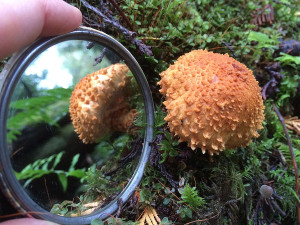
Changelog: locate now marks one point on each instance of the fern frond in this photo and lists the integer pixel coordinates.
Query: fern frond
(49, 107)
(190, 196)
(42, 167)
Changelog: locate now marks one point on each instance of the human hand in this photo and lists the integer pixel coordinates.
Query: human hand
(25, 221)
(23, 21)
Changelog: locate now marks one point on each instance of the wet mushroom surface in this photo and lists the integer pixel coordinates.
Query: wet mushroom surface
(213, 101)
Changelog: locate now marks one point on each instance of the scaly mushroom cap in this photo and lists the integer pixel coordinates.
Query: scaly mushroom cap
(213, 101)
(98, 106)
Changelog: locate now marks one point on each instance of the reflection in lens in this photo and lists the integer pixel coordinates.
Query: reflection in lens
(57, 169)
(100, 103)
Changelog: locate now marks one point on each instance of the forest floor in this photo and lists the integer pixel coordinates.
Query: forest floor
(257, 184)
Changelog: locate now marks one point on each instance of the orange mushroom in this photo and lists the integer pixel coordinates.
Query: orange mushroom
(99, 104)
(213, 101)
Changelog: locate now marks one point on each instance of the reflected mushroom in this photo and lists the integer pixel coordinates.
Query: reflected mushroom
(99, 104)
(213, 101)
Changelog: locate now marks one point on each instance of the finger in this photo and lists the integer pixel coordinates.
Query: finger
(22, 21)
(30, 221)
(60, 17)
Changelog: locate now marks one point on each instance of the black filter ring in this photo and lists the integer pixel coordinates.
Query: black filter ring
(9, 78)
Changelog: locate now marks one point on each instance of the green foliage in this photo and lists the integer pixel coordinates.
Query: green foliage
(96, 180)
(166, 221)
(208, 24)
(196, 24)
(284, 148)
(63, 208)
(265, 45)
(96, 186)
(283, 174)
(49, 107)
(97, 222)
(289, 60)
(285, 187)
(114, 221)
(106, 157)
(190, 196)
(2, 63)
(159, 119)
(42, 167)
(286, 21)
(168, 147)
(102, 152)
(146, 196)
(185, 213)
(107, 147)
(288, 90)
(239, 182)
(151, 189)
(169, 144)
(235, 175)
(140, 120)
(263, 40)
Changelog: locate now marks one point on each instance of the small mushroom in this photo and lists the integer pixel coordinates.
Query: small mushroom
(213, 101)
(99, 104)
(266, 191)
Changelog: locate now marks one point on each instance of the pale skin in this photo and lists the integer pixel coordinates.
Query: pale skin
(25, 221)
(22, 22)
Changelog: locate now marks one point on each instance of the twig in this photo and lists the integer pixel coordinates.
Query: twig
(283, 3)
(282, 213)
(120, 206)
(136, 146)
(90, 45)
(100, 57)
(296, 171)
(123, 30)
(204, 219)
(228, 45)
(91, 23)
(115, 4)
(155, 159)
(232, 201)
(129, 35)
(47, 191)
(265, 88)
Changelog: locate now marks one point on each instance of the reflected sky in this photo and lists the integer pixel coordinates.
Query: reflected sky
(64, 64)
(57, 76)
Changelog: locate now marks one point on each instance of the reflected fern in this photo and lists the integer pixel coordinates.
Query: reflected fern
(49, 107)
(46, 166)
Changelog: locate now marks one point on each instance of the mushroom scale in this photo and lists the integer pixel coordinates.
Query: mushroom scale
(99, 104)
(213, 101)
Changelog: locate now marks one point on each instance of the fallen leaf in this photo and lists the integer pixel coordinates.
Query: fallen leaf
(150, 217)
(293, 123)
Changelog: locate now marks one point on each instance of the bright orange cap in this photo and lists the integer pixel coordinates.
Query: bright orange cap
(213, 101)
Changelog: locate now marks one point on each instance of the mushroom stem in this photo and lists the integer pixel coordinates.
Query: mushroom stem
(122, 120)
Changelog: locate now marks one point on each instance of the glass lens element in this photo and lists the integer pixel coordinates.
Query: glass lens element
(75, 127)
